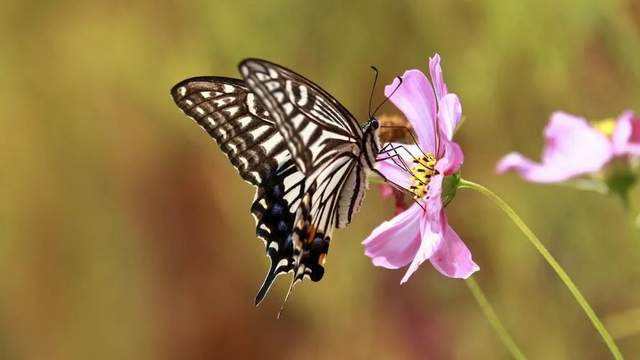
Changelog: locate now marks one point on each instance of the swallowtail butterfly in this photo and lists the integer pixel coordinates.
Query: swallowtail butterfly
(307, 155)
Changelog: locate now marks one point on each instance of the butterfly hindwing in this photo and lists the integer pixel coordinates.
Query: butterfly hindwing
(319, 215)
(274, 208)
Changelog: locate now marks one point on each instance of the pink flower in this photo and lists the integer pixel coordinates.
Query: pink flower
(386, 191)
(626, 135)
(422, 232)
(573, 147)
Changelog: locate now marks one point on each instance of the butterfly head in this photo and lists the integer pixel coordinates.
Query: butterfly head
(370, 138)
(371, 141)
(373, 123)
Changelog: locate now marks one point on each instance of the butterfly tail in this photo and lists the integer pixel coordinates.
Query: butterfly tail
(266, 285)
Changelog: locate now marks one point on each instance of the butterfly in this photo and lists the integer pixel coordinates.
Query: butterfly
(306, 153)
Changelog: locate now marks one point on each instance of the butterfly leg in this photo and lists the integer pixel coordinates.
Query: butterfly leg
(393, 155)
(408, 130)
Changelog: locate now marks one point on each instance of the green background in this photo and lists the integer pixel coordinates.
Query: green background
(125, 233)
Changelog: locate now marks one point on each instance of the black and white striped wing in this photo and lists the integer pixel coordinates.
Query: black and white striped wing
(236, 119)
(296, 216)
(324, 140)
(320, 213)
(314, 124)
(233, 116)
(295, 142)
(316, 127)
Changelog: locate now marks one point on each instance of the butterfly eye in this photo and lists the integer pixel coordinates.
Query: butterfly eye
(374, 123)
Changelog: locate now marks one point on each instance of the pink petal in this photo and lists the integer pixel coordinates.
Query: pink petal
(449, 114)
(416, 100)
(435, 71)
(626, 135)
(452, 158)
(431, 227)
(572, 148)
(434, 200)
(386, 191)
(526, 168)
(453, 258)
(393, 168)
(393, 244)
(394, 173)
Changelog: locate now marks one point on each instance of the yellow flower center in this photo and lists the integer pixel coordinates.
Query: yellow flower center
(606, 126)
(422, 172)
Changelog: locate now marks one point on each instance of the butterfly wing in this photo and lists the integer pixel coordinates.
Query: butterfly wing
(315, 125)
(318, 215)
(297, 144)
(324, 140)
(231, 114)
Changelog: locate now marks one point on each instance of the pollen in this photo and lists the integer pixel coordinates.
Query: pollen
(606, 126)
(422, 172)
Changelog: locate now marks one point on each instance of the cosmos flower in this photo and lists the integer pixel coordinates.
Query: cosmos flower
(388, 192)
(574, 147)
(422, 232)
(626, 135)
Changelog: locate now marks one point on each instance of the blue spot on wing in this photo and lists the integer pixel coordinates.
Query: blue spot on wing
(273, 213)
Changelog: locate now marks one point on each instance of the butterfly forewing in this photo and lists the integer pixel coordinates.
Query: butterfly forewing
(234, 117)
(324, 140)
(314, 124)
(238, 122)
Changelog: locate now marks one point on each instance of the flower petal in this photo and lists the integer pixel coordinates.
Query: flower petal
(449, 114)
(431, 226)
(572, 142)
(415, 98)
(392, 163)
(526, 168)
(431, 236)
(453, 258)
(393, 244)
(394, 173)
(572, 148)
(386, 191)
(626, 135)
(434, 200)
(435, 71)
(452, 158)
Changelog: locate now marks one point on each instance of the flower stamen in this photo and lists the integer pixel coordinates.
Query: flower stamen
(606, 126)
(422, 173)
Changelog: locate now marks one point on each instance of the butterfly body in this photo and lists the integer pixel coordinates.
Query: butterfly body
(306, 154)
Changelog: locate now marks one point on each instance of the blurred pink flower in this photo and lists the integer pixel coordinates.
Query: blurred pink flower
(573, 147)
(387, 191)
(626, 135)
(421, 232)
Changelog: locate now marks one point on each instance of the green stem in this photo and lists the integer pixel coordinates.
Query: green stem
(493, 319)
(634, 218)
(465, 184)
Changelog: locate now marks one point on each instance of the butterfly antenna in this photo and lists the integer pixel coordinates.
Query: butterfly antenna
(373, 88)
(388, 97)
(286, 298)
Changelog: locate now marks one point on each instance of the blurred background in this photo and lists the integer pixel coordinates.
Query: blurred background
(126, 234)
